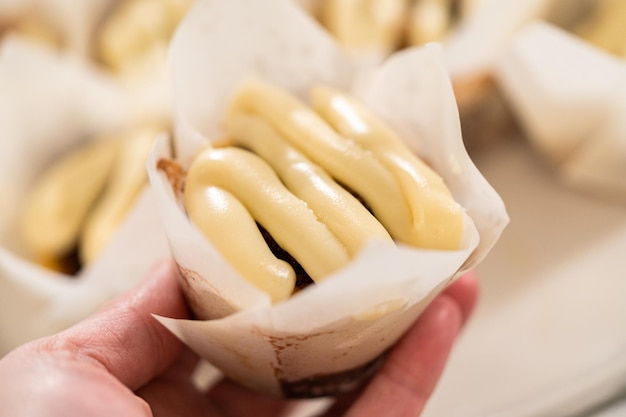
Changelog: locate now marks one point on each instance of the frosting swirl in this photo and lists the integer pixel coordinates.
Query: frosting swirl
(300, 172)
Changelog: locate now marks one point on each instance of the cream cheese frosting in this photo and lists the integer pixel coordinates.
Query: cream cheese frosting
(299, 172)
(135, 33)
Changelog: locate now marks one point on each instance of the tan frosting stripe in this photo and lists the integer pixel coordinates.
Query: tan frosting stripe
(437, 220)
(365, 24)
(60, 201)
(429, 21)
(82, 199)
(285, 181)
(288, 219)
(351, 165)
(136, 28)
(127, 178)
(231, 228)
(341, 212)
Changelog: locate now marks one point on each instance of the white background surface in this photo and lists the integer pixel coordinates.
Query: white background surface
(549, 335)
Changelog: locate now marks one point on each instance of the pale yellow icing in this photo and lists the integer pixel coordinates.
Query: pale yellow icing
(83, 198)
(127, 178)
(232, 177)
(288, 180)
(58, 203)
(350, 165)
(339, 210)
(362, 24)
(226, 222)
(436, 219)
(371, 161)
(136, 28)
(429, 21)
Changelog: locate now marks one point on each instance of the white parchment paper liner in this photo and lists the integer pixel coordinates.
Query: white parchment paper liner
(353, 316)
(48, 105)
(570, 98)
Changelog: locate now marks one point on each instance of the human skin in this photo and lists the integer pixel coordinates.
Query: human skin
(122, 362)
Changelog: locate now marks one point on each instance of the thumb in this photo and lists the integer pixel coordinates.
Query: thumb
(124, 338)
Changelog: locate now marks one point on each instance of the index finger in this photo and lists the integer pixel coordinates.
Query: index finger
(410, 373)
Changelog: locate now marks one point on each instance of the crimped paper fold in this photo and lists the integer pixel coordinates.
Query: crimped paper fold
(352, 317)
(49, 105)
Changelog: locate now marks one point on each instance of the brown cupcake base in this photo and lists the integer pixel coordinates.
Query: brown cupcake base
(331, 384)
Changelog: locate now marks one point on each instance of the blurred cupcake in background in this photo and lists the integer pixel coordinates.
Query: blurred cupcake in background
(372, 29)
(135, 34)
(378, 27)
(79, 200)
(126, 39)
(64, 25)
(473, 33)
(76, 225)
(569, 97)
(599, 22)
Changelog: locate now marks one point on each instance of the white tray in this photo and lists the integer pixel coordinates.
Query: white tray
(549, 335)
